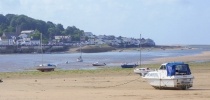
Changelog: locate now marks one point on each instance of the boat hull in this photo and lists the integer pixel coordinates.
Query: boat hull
(45, 69)
(98, 64)
(173, 83)
(79, 60)
(141, 71)
(128, 66)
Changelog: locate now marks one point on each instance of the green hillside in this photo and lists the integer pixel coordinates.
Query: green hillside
(17, 23)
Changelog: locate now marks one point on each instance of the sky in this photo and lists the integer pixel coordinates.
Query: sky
(167, 22)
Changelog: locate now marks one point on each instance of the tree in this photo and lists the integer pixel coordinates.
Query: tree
(10, 22)
(10, 16)
(36, 35)
(3, 19)
(42, 27)
(51, 32)
(3, 23)
(60, 27)
(50, 25)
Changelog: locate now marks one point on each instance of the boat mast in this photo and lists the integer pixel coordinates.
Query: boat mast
(80, 46)
(41, 46)
(140, 51)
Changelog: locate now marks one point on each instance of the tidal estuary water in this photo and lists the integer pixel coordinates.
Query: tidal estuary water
(28, 62)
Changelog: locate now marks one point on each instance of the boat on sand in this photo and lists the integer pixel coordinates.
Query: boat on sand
(172, 75)
(128, 65)
(98, 64)
(142, 71)
(46, 67)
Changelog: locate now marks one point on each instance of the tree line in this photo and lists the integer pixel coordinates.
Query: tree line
(12, 23)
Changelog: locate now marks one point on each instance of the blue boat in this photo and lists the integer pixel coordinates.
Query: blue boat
(126, 65)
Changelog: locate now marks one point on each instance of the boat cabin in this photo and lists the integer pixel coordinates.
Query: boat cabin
(176, 68)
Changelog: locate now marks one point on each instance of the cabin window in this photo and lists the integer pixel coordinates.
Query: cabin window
(162, 67)
(181, 69)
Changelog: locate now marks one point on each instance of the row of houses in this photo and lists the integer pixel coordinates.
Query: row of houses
(24, 39)
(12, 38)
(117, 41)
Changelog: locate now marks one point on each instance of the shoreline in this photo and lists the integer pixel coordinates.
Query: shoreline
(130, 49)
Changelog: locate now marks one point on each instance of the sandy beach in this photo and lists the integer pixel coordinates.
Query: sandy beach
(105, 85)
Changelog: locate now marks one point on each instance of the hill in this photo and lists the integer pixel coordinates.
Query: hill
(17, 23)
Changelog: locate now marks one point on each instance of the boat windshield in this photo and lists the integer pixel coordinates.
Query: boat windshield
(182, 69)
(162, 67)
(178, 69)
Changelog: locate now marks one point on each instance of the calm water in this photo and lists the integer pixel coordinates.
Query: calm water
(27, 62)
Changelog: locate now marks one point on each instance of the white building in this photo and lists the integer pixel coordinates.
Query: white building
(8, 38)
(0, 41)
(27, 32)
(89, 34)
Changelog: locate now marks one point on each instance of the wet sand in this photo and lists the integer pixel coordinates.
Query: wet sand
(205, 56)
(104, 86)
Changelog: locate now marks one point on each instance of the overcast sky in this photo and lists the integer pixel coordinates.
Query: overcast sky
(165, 21)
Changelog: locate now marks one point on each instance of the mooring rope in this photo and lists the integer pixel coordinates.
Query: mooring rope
(116, 85)
(121, 84)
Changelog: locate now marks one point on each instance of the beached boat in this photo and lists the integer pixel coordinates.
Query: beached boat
(142, 71)
(98, 64)
(46, 67)
(174, 75)
(128, 65)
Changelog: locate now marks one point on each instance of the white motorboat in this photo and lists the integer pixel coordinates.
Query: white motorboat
(174, 75)
(142, 71)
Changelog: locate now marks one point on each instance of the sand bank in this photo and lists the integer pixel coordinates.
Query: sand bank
(100, 86)
(204, 56)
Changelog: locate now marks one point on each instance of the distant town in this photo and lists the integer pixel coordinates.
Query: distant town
(22, 34)
(24, 39)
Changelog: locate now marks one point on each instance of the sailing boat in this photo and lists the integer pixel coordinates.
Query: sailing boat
(79, 59)
(141, 71)
(129, 65)
(45, 67)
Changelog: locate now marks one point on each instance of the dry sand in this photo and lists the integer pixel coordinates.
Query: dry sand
(106, 86)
